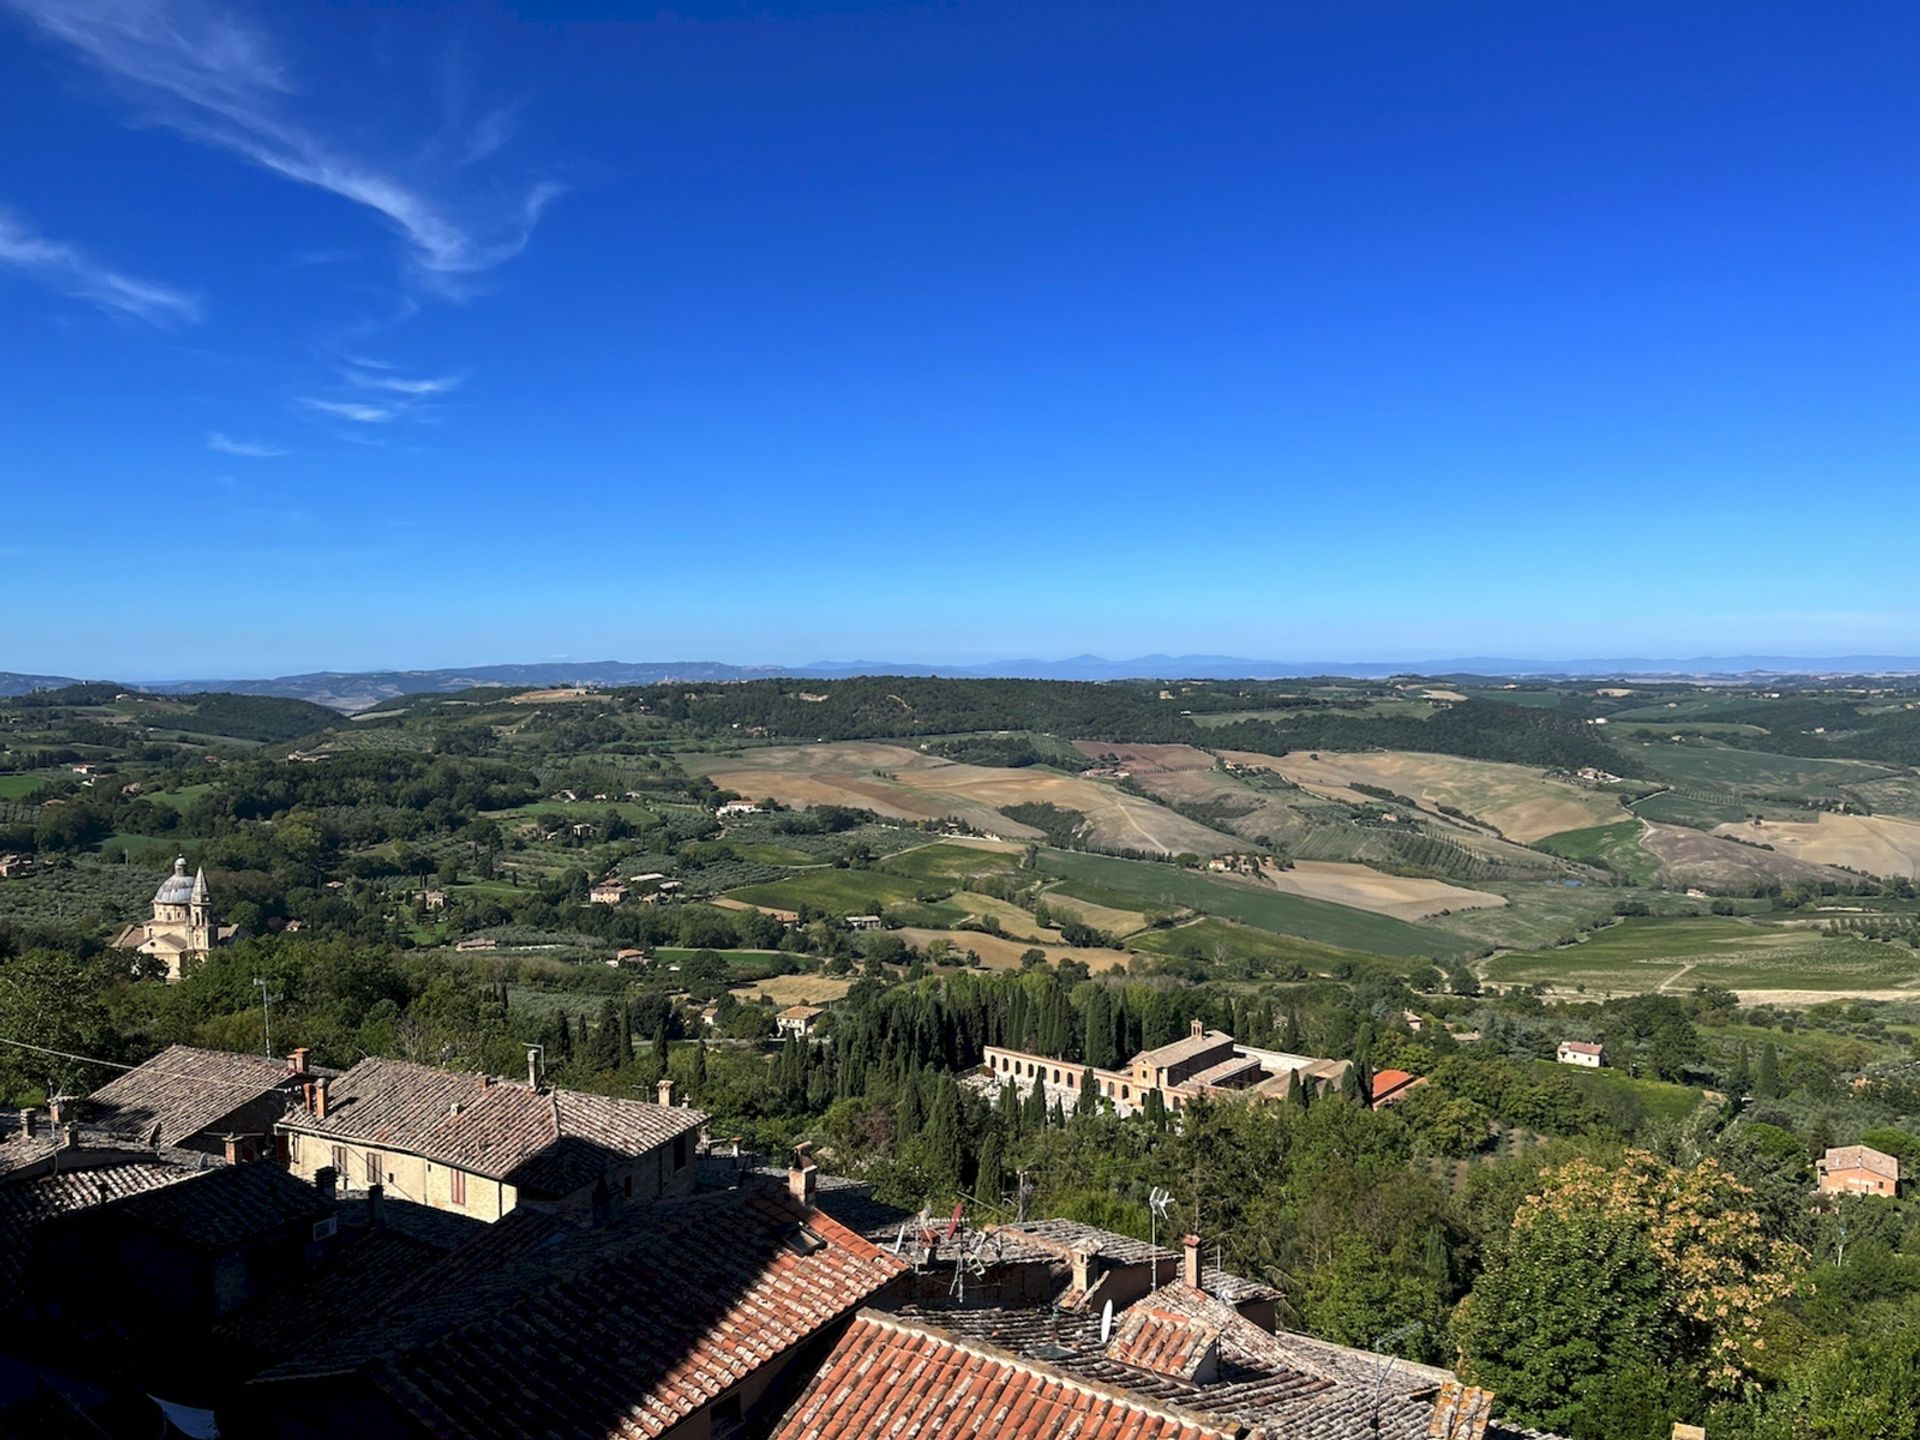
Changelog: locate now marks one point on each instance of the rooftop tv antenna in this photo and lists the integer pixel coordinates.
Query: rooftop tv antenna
(1158, 1200)
(266, 1012)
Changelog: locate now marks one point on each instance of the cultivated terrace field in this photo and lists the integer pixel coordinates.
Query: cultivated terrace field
(1444, 875)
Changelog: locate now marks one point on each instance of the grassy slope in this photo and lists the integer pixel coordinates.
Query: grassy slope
(1316, 920)
(1616, 847)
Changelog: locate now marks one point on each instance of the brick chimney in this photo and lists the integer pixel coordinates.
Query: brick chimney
(1190, 1262)
(802, 1177)
(320, 1098)
(297, 1060)
(62, 1109)
(1083, 1259)
(231, 1144)
(534, 1053)
(68, 1136)
(665, 1091)
(29, 1123)
(327, 1181)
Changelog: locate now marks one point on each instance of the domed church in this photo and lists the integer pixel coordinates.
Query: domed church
(183, 923)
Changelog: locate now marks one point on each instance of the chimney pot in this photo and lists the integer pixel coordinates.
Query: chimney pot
(802, 1177)
(320, 1098)
(232, 1146)
(70, 1136)
(1190, 1264)
(1082, 1261)
(1196, 1028)
(60, 1109)
(29, 1123)
(665, 1092)
(297, 1060)
(533, 1066)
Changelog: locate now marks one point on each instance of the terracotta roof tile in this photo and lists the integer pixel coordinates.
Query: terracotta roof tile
(26, 1205)
(1165, 1342)
(180, 1092)
(890, 1376)
(545, 1142)
(543, 1327)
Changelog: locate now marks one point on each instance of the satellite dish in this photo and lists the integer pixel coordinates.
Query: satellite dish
(1106, 1322)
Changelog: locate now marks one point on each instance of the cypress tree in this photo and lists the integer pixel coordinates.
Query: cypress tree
(698, 1080)
(1036, 1117)
(1766, 1081)
(991, 1182)
(603, 1045)
(1155, 1110)
(908, 1117)
(940, 1141)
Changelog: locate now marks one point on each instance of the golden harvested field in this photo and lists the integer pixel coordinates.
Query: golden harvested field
(1101, 917)
(796, 989)
(1519, 802)
(1877, 844)
(910, 785)
(1367, 889)
(1012, 918)
(997, 953)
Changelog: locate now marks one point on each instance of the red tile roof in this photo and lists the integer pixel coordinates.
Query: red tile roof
(26, 1205)
(893, 1377)
(545, 1142)
(541, 1326)
(180, 1092)
(1150, 1338)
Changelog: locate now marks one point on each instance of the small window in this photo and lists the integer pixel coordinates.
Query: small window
(293, 1145)
(457, 1186)
(340, 1162)
(680, 1152)
(373, 1167)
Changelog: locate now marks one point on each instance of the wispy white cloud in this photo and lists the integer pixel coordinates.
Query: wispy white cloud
(72, 271)
(354, 410)
(251, 449)
(220, 81)
(402, 385)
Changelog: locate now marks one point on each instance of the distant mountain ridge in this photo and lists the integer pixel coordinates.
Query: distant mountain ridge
(351, 690)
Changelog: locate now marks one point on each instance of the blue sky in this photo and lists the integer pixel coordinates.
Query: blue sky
(347, 335)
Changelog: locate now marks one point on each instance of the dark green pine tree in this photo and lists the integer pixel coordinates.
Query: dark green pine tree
(1293, 1088)
(1353, 1084)
(1088, 1099)
(626, 1035)
(1100, 1047)
(1008, 1109)
(560, 1046)
(1290, 1040)
(658, 1064)
(698, 1080)
(1766, 1080)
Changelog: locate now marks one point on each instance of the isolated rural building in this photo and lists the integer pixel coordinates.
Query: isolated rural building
(1390, 1087)
(797, 1020)
(679, 1319)
(479, 1146)
(863, 922)
(1858, 1170)
(183, 927)
(193, 1099)
(607, 892)
(434, 899)
(732, 809)
(13, 866)
(1583, 1053)
(1204, 1062)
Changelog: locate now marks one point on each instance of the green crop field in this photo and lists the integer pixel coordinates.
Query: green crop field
(12, 787)
(1660, 729)
(838, 892)
(950, 862)
(1614, 847)
(1712, 766)
(1168, 886)
(1614, 1092)
(1671, 807)
(1680, 952)
(181, 798)
(1225, 942)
